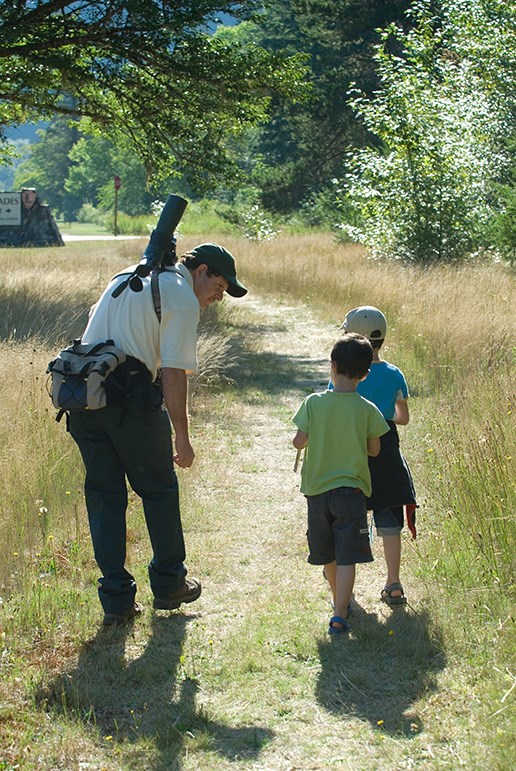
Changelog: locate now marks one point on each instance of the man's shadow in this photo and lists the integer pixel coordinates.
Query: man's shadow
(382, 669)
(127, 698)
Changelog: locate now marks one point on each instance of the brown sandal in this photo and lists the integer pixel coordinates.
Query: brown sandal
(386, 595)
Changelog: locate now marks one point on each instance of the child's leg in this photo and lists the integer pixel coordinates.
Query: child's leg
(341, 579)
(344, 583)
(330, 571)
(389, 523)
(392, 553)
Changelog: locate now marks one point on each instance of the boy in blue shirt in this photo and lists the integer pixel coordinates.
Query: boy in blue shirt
(339, 429)
(392, 486)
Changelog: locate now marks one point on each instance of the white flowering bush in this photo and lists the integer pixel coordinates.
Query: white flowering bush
(257, 224)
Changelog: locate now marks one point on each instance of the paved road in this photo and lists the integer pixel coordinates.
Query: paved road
(106, 237)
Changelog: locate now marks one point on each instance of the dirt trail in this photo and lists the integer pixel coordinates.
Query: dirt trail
(298, 343)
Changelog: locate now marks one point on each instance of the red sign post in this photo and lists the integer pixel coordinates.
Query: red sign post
(118, 183)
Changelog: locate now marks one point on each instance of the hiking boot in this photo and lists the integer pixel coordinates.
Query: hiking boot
(189, 592)
(117, 619)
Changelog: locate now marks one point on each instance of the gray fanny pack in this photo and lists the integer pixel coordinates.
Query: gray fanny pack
(78, 375)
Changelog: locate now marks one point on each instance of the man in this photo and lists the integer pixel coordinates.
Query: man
(131, 437)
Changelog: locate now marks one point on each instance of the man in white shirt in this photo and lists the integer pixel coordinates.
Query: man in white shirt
(131, 437)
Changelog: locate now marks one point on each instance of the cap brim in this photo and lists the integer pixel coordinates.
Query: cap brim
(235, 288)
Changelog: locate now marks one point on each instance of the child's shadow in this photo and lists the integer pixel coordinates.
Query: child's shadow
(381, 670)
(130, 697)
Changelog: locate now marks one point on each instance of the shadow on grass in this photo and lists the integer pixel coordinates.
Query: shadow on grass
(145, 707)
(380, 672)
(273, 373)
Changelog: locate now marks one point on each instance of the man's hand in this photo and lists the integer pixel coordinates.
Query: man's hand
(184, 455)
(175, 392)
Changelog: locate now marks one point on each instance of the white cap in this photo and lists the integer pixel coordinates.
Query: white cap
(367, 321)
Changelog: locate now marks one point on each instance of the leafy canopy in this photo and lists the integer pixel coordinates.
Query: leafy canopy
(446, 105)
(147, 69)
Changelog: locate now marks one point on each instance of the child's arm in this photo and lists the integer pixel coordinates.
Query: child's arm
(300, 440)
(373, 446)
(401, 415)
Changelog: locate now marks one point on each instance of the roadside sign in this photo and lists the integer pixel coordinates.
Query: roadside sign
(118, 183)
(10, 209)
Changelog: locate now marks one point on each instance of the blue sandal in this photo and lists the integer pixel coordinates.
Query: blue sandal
(338, 629)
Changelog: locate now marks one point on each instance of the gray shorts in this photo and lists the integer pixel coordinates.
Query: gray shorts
(389, 521)
(337, 527)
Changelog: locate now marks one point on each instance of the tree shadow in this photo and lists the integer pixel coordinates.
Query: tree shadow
(382, 669)
(145, 703)
(272, 373)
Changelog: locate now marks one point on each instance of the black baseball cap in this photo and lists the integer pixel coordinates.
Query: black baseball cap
(220, 261)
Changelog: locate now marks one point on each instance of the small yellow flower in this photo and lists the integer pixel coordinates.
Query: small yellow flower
(67, 492)
(108, 738)
(15, 553)
(379, 722)
(431, 449)
(391, 632)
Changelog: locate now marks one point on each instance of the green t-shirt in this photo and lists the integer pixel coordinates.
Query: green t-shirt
(338, 425)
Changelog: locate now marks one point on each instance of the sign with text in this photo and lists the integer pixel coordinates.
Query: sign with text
(10, 209)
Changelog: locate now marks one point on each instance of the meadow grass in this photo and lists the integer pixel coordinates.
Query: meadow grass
(247, 683)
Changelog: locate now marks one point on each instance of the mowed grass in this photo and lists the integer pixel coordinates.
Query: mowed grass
(246, 677)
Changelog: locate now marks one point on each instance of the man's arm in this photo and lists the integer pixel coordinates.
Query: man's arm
(175, 394)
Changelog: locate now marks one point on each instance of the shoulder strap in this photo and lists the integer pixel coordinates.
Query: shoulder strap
(156, 297)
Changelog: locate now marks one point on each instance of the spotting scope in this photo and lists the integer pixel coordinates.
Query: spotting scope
(161, 249)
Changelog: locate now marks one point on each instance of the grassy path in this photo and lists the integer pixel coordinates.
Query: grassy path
(247, 678)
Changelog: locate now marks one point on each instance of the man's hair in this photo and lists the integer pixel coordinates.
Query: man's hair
(192, 261)
(352, 355)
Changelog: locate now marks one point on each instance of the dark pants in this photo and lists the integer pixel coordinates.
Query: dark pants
(136, 443)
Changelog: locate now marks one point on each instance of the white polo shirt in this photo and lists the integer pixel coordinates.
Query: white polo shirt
(131, 322)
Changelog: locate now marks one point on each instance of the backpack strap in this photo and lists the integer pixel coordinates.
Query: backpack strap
(156, 297)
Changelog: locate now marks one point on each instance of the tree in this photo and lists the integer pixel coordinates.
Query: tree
(47, 165)
(446, 104)
(149, 70)
(301, 148)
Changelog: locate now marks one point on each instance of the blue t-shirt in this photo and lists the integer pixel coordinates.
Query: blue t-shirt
(384, 386)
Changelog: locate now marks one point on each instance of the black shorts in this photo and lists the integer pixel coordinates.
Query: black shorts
(337, 527)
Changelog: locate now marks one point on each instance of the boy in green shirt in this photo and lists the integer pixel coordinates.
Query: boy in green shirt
(339, 429)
